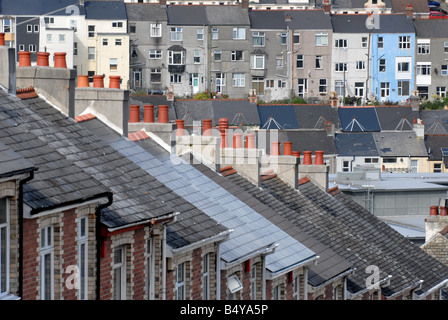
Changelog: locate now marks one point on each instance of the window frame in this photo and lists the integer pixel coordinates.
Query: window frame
(5, 228)
(155, 30)
(176, 33)
(236, 33)
(46, 249)
(83, 253)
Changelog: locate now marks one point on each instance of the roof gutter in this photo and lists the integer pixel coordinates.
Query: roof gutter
(146, 221)
(348, 272)
(414, 285)
(216, 238)
(442, 284)
(263, 251)
(383, 281)
(303, 263)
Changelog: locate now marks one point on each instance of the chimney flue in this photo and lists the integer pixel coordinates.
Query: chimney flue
(237, 140)
(59, 60)
(163, 113)
(114, 82)
(434, 211)
(207, 127)
(134, 113)
(42, 59)
(319, 158)
(275, 148)
(24, 59)
(180, 127)
(83, 81)
(148, 115)
(307, 158)
(287, 148)
(98, 81)
(250, 141)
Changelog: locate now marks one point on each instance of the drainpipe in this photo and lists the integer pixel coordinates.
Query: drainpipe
(164, 225)
(20, 218)
(218, 272)
(99, 242)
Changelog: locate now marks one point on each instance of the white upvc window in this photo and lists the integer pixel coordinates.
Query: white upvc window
(360, 65)
(423, 69)
(277, 292)
(196, 56)
(32, 48)
(180, 282)
(155, 54)
(91, 53)
(340, 43)
(253, 282)
(423, 46)
(340, 67)
(296, 293)
(258, 39)
(206, 277)
(155, 30)
(176, 34)
(200, 33)
(149, 270)
(238, 80)
(117, 24)
(258, 61)
(47, 263)
(385, 89)
(83, 237)
(321, 39)
(403, 87)
(339, 87)
(322, 85)
(215, 33)
(239, 33)
(4, 246)
(119, 271)
(176, 57)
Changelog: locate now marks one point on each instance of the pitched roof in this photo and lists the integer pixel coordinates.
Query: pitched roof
(192, 225)
(358, 119)
(187, 15)
(233, 15)
(356, 23)
(329, 265)
(434, 143)
(146, 12)
(277, 117)
(312, 116)
(11, 163)
(430, 28)
(359, 237)
(396, 117)
(58, 181)
(35, 7)
(435, 121)
(134, 199)
(399, 144)
(239, 111)
(356, 144)
(420, 6)
(105, 10)
(299, 19)
(251, 231)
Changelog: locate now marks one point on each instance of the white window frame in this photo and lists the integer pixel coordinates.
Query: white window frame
(239, 33)
(340, 43)
(149, 270)
(5, 229)
(258, 61)
(441, 91)
(445, 46)
(360, 65)
(385, 89)
(119, 268)
(400, 88)
(323, 85)
(444, 70)
(180, 281)
(423, 46)
(319, 37)
(238, 79)
(155, 71)
(258, 39)
(196, 56)
(217, 55)
(176, 34)
(206, 277)
(215, 33)
(155, 54)
(382, 66)
(32, 48)
(83, 260)
(200, 34)
(234, 56)
(29, 28)
(171, 56)
(113, 64)
(105, 42)
(423, 69)
(90, 55)
(359, 90)
(175, 78)
(340, 67)
(61, 37)
(300, 60)
(277, 294)
(283, 38)
(339, 87)
(118, 42)
(253, 282)
(155, 30)
(302, 84)
(402, 64)
(364, 42)
(296, 293)
(46, 250)
(319, 61)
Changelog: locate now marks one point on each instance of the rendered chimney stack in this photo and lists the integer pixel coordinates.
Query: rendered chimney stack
(59, 60)
(24, 59)
(43, 59)
(163, 113)
(180, 127)
(134, 113)
(148, 115)
(287, 148)
(207, 127)
(436, 221)
(98, 81)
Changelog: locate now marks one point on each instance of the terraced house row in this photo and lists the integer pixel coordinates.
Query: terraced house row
(143, 211)
(236, 51)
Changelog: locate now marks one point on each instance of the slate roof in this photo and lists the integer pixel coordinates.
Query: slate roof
(430, 28)
(329, 264)
(58, 181)
(358, 119)
(187, 15)
(11, 163)
(399, 144)
(356, 23)
(359, 237)
(251, 233)
(146, 12)
(192, 225)
(277, 117)
(313, 116)
(396, 117)
(237, 111)
(420, 6)
(302, 140)
(433, 143)
(356, 144)
(134, 199)
(35, 7)
(232, 15)
(350, 4)
(105, 10)
(300, 20)
(435, 121)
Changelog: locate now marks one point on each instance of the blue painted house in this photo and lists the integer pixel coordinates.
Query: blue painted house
(392, 57)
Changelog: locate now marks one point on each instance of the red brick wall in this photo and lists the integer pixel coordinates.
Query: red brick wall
(170, 285)
(139, 276)
(289, 288)
(245, 280)
(69, 252)
(30, 260)
(106, 279)
(196, 275)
